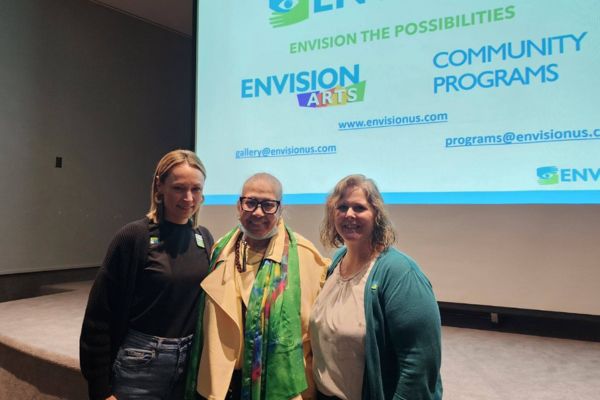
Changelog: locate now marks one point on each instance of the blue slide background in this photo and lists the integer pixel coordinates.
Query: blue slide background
(492, 141)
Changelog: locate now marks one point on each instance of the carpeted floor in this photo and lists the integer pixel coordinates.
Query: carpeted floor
(39, 339)
(39, 357)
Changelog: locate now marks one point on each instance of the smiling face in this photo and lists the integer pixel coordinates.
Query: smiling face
(257, 224)
(354, 218)
(181, 193)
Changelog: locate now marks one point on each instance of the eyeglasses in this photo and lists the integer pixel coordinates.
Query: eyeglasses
(250, 204)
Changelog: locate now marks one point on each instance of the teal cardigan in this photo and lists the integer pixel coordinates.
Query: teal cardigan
(403, 331)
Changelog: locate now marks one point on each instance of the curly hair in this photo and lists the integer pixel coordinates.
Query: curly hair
(383, 232)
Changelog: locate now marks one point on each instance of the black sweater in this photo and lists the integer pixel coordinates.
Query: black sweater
(108, 312)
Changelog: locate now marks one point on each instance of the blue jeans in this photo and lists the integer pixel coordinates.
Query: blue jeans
(150, 367)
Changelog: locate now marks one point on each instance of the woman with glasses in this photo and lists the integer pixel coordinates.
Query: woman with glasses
(375, 327)
(141, 312)
(258, 296)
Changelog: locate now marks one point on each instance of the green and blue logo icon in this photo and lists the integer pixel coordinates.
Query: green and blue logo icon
(547, 175)
(290, 12)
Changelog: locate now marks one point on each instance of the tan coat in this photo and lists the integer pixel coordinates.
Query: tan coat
(222, 324)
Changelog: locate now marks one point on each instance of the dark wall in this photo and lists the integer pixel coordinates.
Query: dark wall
(106, 92)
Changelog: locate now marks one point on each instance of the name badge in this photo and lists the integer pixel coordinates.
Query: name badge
(153, 240)
(199, 240)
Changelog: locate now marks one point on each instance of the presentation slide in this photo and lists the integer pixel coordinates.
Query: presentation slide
(440, 102)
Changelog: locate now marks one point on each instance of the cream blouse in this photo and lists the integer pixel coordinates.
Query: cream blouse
(337, 332)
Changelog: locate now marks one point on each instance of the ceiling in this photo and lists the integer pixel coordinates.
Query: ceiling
(175, 15)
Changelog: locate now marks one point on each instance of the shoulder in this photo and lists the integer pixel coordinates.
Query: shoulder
(204, 230)
(395, 264)
(393, 257)
(129, 243)
(397, 271)
(205, 233)
(312, 265)
(307, 249)
(133, 232)
(135, 228)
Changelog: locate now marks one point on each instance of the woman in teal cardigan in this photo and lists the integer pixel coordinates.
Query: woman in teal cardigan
(375, 326)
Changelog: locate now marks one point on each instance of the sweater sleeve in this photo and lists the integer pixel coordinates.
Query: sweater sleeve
(413, 329)
(105, 315)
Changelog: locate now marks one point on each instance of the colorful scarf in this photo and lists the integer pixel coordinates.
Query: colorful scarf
(273, 365)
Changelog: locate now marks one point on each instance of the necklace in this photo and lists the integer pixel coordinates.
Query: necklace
(240, 265)
(241, 260)
(361, 268)
(354, 274)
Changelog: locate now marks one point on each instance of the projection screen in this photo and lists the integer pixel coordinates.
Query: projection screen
(440, 102)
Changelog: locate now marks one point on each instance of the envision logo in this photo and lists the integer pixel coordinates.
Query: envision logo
(289, 12)
(552, 175)
(329, 86)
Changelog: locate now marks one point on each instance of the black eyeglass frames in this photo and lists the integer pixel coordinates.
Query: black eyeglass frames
(250, 204)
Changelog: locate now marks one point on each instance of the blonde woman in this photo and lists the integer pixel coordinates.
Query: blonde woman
(140, 316)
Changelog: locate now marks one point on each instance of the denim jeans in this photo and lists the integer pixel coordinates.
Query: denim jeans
(150, 367)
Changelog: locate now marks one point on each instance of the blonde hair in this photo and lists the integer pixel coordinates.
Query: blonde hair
(163, 169)
(383, 231)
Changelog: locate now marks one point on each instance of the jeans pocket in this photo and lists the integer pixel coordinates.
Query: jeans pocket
(135, 358)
